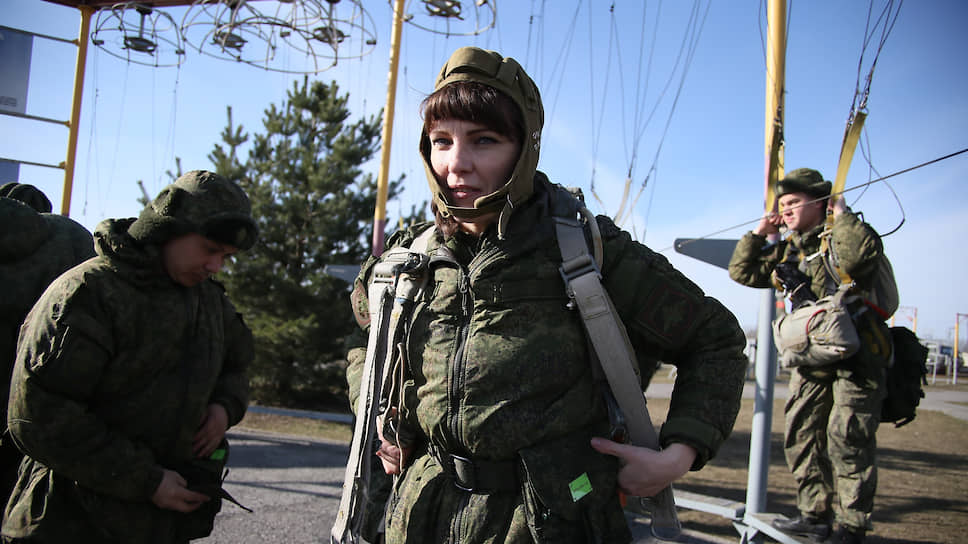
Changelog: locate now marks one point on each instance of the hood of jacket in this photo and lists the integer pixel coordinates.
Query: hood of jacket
(22, 230)
(139, 264)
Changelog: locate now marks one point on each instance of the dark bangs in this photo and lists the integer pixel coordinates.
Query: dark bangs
(477, 103)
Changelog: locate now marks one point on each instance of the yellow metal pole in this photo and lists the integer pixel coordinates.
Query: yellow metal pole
(759, 459)
(75, 120)
(775, 77)
(382, 184)
(957, 336)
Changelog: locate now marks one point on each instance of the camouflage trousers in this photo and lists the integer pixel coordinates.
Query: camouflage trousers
(830, 444)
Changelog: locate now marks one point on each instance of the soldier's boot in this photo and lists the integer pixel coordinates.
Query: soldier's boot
(805, 525)
(846, 535)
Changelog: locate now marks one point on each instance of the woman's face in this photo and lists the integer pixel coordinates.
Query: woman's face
(471, 161)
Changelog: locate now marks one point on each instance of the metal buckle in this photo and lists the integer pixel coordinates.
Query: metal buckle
(464, 479)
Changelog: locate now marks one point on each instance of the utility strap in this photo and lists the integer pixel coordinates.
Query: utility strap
(617, 357)
(397, 281)
(847, 149)
(349, 517)
(847, 153)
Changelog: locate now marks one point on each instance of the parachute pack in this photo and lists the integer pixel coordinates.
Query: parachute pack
(905, 378)
(907, 373)
(883, 296)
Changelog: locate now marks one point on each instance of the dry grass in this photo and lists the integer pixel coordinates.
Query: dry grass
(297, 426)
(922, 493)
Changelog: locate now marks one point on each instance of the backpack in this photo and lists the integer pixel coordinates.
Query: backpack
(905, 378)
(884, 288)
(883, 295)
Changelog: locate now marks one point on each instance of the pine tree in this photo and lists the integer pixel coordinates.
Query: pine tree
(314, 206)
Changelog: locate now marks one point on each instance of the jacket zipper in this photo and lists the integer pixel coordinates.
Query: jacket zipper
(457, 368)
(457, 390)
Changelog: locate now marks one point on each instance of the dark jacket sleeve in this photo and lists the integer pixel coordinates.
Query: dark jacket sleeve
(232, 387)
(857, 246)
(61, 360)
(753, 262)
(670, 319)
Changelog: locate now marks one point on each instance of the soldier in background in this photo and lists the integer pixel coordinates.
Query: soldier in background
(35, 247)
(500, 400)
(130, 368)
(28, 194)
(833, 411)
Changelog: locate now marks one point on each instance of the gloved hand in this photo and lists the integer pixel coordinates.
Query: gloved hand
(795, 283)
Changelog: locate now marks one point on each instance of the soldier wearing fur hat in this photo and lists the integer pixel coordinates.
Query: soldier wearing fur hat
(129, 367)
(499, 398)
(833, 411)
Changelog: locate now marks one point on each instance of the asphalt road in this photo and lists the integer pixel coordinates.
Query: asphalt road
(293, 484)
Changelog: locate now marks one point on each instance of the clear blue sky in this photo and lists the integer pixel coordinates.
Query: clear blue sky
(709, 172)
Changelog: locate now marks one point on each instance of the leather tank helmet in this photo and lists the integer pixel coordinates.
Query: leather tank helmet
(472, 64)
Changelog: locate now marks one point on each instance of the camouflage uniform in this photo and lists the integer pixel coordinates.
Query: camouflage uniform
(832, 412)
(115, 368)
(35, 248)
(499, 373)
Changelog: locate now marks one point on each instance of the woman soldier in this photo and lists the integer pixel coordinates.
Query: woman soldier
(499, 396)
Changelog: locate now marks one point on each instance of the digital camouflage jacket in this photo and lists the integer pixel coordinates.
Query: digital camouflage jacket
(858, 248)
(499, 369)
(855, 243)
(114, 370)
(35, 248)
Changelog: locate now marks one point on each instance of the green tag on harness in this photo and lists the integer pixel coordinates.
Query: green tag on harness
(218, 455)
(580, 487)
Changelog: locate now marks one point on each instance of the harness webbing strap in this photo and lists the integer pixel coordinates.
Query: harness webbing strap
(847, 148)
(611, 344)
(397, 281)
(847, 153)
(349, 517)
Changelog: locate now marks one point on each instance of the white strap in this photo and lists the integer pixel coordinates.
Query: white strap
(391, 289)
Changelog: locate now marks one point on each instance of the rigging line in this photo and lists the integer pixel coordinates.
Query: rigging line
(92, 137)
(527, 48)
(560, 63)
(691, 29)
(597, 128)
(152, 152)
(621, 86)
(854, 188)
(648, 208)
(591, 87)
(173, 122)
(117, 138)
(640, 92)
(888, 25)
(686, 45)
(688, 63)
(870, 165)
(538, 60)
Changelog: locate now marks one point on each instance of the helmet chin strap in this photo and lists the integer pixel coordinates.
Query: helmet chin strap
(498, 201)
